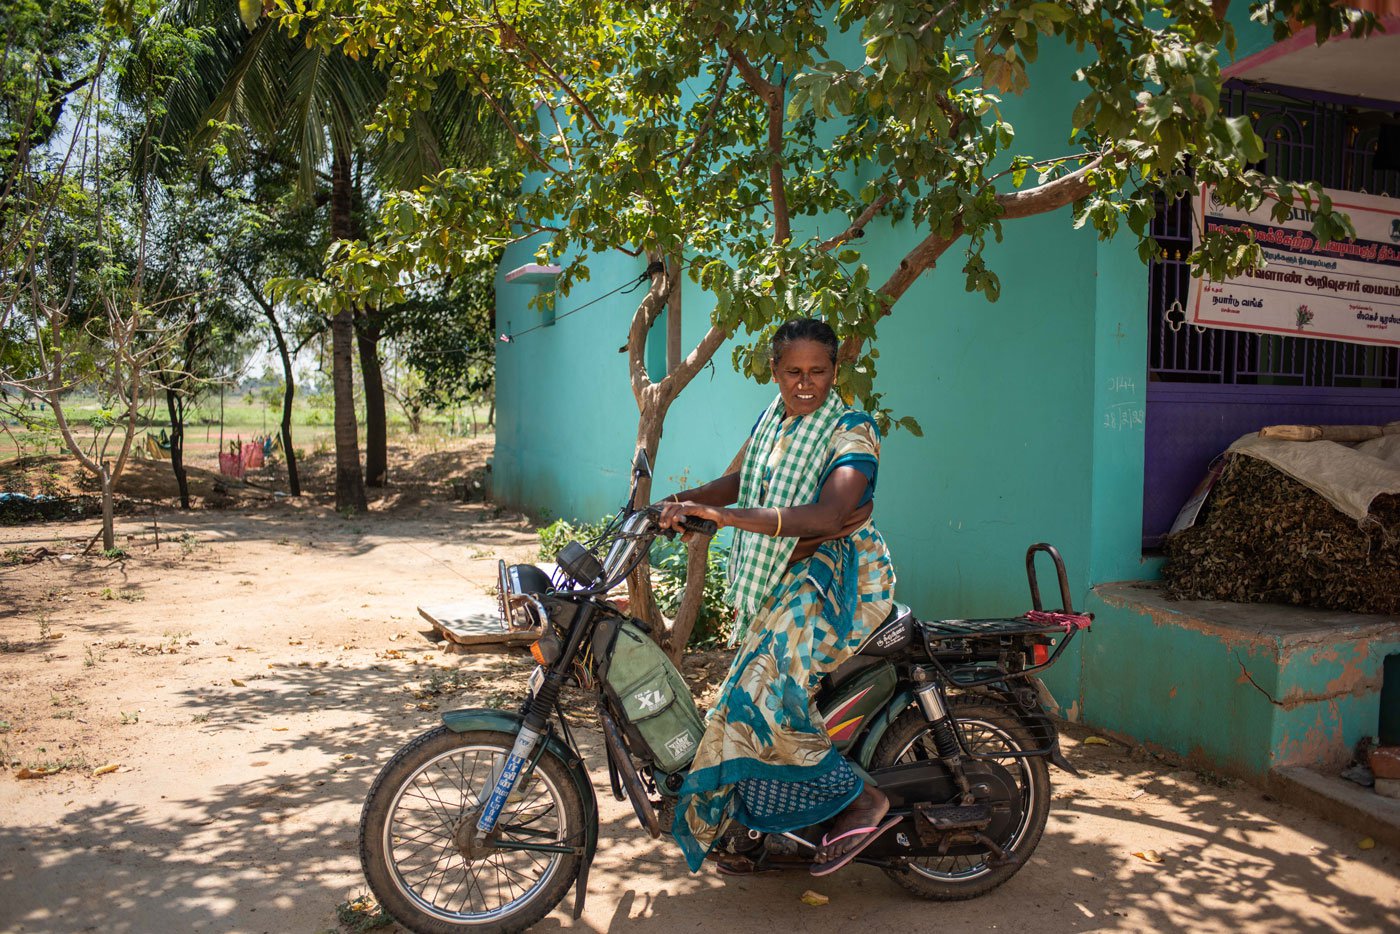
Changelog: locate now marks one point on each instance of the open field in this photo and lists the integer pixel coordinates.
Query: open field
(239, 419)
(246, 670)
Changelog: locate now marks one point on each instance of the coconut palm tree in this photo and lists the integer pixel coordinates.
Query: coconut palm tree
(308, 106)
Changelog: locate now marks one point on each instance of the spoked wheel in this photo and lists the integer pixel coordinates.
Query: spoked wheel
(987, 729)
(419, 845)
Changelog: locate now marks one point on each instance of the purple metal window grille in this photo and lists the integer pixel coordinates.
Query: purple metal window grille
(1206, 386)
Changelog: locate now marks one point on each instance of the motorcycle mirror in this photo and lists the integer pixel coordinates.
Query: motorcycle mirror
(641, 467)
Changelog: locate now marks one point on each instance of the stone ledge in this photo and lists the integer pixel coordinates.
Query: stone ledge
(1339, 801)
(1253, 622)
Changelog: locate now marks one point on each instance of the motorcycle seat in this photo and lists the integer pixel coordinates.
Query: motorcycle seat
(892, 636)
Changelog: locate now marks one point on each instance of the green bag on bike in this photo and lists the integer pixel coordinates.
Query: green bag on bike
(657, 710)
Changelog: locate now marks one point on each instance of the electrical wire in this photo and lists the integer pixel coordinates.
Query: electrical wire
(630, 286)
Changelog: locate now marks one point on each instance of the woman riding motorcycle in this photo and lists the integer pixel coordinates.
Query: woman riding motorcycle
(810, 579)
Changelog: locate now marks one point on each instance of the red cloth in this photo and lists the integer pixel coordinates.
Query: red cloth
(1069, 621)
(230, 465)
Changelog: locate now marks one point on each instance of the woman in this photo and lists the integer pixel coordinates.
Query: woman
(810, 579)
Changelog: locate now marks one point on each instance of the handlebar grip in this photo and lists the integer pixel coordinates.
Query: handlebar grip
(699, 526)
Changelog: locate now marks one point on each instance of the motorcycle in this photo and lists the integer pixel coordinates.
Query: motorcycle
(485, 822)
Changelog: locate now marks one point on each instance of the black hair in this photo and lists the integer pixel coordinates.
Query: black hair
(804, 329)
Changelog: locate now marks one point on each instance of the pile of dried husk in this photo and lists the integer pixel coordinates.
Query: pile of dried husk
(1265, 537)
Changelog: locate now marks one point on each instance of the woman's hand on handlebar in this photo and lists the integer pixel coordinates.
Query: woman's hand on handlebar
(673, 515)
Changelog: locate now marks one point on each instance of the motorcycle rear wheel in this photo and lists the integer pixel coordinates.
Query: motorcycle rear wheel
(988, 728)
(417, 830)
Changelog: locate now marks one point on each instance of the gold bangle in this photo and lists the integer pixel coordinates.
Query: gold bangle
(778, 532)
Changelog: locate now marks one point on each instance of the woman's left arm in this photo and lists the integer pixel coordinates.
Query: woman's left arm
(840, 496)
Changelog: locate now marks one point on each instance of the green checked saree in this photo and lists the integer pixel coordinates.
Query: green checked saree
(766, 759)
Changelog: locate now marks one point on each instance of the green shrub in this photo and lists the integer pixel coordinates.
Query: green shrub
(561, 531)
(669, 560)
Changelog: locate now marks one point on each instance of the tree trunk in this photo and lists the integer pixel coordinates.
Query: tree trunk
(288, 395)
(376, 418)
(175, 405)
(672, 638)
(654, 399)
(692, 598)
(640, 595)
(349, 479)
(109, 534)
(289, 392)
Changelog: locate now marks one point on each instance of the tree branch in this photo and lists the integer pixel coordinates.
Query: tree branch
(782, 223)
(1056, 194)
(923, 256)
(721, 88)
(761, 85)
(511, 38)
(857, 228)
(772, 95)
(510, 125)
(699, 356)
(642, 320)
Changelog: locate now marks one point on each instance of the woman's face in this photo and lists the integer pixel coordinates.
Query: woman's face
(805, 374)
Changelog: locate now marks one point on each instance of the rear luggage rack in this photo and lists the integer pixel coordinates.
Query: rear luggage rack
(968, 644)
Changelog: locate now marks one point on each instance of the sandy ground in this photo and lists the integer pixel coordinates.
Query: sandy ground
(248, 676)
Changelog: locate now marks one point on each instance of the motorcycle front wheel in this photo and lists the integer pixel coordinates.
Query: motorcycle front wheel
(988, 730)
(419, 846)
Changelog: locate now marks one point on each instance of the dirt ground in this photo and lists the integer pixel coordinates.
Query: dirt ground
(248, 675)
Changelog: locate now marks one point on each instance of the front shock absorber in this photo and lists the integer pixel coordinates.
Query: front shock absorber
(536, 719)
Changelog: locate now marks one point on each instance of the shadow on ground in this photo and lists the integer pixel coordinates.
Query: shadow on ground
(254, 855)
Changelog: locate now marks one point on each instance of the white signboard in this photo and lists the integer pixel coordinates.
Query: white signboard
(1348, 290)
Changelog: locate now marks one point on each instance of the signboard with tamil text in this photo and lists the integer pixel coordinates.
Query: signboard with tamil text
(1348, 290)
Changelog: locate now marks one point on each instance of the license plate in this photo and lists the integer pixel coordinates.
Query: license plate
(536, 680)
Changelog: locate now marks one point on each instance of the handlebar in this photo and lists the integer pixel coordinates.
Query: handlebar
(698, 525)
(627, 545)
(688, 524)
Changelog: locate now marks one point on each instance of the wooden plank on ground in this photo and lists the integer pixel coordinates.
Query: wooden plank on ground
(474, 622)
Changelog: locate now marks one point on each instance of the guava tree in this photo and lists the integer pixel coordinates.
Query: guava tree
(747, 147)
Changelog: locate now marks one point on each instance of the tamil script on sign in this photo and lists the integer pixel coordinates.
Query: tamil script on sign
(1347, 290)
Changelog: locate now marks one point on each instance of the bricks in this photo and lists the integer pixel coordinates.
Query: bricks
(1385, 762)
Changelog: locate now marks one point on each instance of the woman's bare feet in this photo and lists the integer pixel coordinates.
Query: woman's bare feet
(866, 811)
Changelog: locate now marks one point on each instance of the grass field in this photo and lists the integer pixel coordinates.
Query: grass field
(238, 419)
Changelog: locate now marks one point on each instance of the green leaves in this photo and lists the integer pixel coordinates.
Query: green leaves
(250, 11)
(647, 129)
(1239, 135)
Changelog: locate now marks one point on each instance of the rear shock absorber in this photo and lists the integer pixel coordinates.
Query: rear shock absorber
(930, 701)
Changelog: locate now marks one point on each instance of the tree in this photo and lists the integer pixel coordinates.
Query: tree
(444, 334)
(79, 301)
(306, 105)
(201, 329)
(277, 234)
(728, 144)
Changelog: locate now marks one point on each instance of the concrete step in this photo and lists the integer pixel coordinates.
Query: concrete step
(1338, 800)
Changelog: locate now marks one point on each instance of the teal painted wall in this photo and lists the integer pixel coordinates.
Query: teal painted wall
(1033, 410)
(1005, 393)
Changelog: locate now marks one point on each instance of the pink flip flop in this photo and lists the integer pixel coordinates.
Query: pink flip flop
(871, 834)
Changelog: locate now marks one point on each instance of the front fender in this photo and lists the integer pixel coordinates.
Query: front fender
(505, 721)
